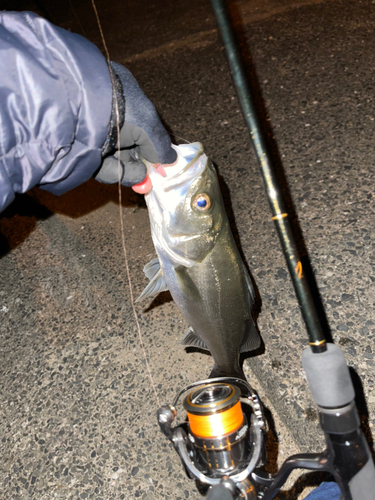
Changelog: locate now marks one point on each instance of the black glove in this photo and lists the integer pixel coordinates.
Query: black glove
(140, 128)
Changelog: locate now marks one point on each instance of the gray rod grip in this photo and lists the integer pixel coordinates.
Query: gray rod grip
(328, 377)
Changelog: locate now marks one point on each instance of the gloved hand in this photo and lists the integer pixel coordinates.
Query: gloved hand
(140, 130)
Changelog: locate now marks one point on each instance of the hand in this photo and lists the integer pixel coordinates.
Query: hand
(141, 130)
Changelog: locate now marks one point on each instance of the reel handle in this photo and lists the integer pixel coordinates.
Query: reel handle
(166, 415)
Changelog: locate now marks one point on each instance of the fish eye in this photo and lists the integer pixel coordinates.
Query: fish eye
(202, 202)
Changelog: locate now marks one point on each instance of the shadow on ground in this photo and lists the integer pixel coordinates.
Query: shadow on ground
(20, 218)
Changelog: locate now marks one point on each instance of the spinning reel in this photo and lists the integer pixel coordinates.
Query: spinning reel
(222, 441)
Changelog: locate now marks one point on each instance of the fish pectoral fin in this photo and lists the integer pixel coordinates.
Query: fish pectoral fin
(157, 283)
(252, 338)
(191, 339)
(152, 268)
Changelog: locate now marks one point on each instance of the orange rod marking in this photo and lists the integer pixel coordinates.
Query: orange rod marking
(299, 270)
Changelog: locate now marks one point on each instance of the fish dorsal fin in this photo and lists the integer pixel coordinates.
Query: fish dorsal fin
(157, 283)
(252, 338)
(191, 339)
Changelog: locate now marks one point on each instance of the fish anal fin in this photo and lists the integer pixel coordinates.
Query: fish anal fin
(252, 340)
(249, 282)
(191, 339)
(157, 283)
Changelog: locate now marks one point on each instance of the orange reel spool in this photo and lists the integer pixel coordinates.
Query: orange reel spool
(218, 435)
(214, 410)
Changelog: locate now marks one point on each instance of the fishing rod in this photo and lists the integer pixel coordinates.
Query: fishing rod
(222, 443)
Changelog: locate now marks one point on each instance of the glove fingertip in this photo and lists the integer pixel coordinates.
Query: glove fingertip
(169, 157)
(109, 171)
(135, 173)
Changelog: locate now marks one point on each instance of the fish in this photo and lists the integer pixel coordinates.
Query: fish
(198, 260)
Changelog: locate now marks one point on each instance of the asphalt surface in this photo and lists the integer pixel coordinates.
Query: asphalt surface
(78, 407)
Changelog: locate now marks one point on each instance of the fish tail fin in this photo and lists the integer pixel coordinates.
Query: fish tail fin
(252, 339)
(236, 372)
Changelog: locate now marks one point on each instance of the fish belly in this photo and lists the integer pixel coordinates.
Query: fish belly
(216, 299)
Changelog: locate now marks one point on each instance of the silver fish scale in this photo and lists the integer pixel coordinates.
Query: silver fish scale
(213, 291)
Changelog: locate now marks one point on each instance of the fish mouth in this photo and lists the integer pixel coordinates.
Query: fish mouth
(169, 193)
(184, 172)
(179, 178)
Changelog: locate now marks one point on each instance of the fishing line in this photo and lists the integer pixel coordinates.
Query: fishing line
(120, 211)
(75, 15)
(181, 138)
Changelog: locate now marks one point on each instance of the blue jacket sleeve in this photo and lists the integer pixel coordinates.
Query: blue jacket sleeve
(55, 106)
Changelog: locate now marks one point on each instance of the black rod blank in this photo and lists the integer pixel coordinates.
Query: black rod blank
(269, 175)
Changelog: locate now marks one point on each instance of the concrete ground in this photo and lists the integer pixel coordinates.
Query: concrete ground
(77, 402)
